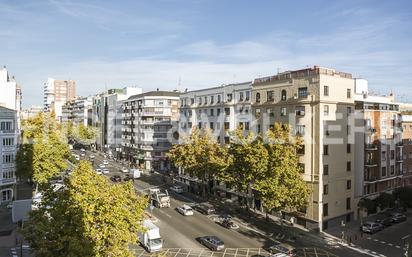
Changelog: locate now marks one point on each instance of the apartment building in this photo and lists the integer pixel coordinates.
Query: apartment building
(407, 150)
(56, 94)
(77, 111)
(11, 93)
(317, 103)
(106, 117)
(148, 120)
(220, 109)
(379, 147)
(30, 112)
(8, 148)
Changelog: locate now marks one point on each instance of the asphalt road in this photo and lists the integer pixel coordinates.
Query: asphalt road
(179, 231)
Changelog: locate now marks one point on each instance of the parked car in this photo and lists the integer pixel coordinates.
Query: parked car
(105, 162)
(227, 223)
(371, 227)
(185, 210)
(102, 166)
(127, 177)
(177, 189)
(99, 171)
(125, 170)
(82, 154)
(205, 208)
(279, 255)
(116, 178)
(91, 157)
(398, 217)
(212, 242)
(278, 247)
(385, 221)
(105, 171)
(82, 150)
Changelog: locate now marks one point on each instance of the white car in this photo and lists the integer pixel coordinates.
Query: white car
(105, 162)
(125, 170)
(185, 210)
(91, 156)
(102, 166)
(105, 171)
(177, 189)
(99, 171)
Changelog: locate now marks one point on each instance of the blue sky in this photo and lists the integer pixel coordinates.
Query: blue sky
(154, 44)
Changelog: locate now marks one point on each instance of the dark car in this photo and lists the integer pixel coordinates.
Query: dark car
(278, 247)
(128, 177)
(386, 221)
(228, 223)
(205, 208)
(398, 217)
(212, 242)
(116, 178)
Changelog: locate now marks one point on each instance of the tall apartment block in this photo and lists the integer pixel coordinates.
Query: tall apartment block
(107, 116)
(317, 103)
(379, 146)
(8, 148)
(77, 111)
(11, 93)
(407, 150)
(56, 94)
(221, 109)
(148, 120)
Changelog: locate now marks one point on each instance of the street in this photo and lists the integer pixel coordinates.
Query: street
(180, 231)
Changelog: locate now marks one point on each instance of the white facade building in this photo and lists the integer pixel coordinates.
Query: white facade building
(10, 96)
(8, 149)
(221, 109)
(76, 111)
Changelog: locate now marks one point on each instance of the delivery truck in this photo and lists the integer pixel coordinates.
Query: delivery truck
(150, 238)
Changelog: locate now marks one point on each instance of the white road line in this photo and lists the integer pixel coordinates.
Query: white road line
(390, 244)
(397, 246)
(369, 238)
(383, 242)
(375, 240)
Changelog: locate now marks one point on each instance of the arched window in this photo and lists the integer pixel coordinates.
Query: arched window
(257, 97)
(283, 95)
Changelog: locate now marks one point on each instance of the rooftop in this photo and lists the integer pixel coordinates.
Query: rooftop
(316, 70)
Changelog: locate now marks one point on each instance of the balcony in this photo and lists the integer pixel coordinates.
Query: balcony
(370, 163)
(371, 147)
(371, 179)
(7, 181)
(370, 129)
(399, 144)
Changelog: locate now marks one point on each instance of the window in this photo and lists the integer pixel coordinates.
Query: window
(325, 189)
(192, 101)
(6, 195)
(384, 156)
(229, 97)
(300, 130)
(241, 96)
(217, 111)
(211, 126)
(200, 125)
(348, 203)
(325, 149)
(326, 130)
(348, 184)
(392, 170)
(246, 125)
(269, 95)
(325, 169)
(240, 126)
(282, 111)
(300, 110)
(226, 125)
(326, 110)
(302, 92)
(205, 99)
(227, 140)
(218, 98)
(257, 113)
(8, 141)
(283, 95)
(212, 99)
(200, 100)
(392, 154)
(6, 125)
(348, 111)
(257, 97)
(348, 166)
(247, 95)
(258, 128)
(383, 172)
(325, 210)
(212, 112)
(227, 111)
(301, 167)
(326, 90)
(301, 150)
(347, 148)
(348, 93)
(8, 158)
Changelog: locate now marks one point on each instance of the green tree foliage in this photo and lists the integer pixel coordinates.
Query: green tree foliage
(282, 185)
(87, 217)
(44, 151)
(201, 156)
(81, 134)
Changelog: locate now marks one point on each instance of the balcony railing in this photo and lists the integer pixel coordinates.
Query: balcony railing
(7, 181)
(370, 163)
(371, 147)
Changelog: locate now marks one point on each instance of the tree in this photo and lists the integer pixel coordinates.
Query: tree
(249, 161)
(87, 217)
(282, 185)
(201, 156)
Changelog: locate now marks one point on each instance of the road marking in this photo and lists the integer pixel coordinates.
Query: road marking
(376, 240)
(397, 246)
(390, 244)
(369, 237)
(383, 242)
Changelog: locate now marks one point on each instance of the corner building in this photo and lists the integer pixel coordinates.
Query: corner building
(318, 104)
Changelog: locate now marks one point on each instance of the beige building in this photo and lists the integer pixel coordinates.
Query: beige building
(318, 104)
(57, 93)
(407, 150)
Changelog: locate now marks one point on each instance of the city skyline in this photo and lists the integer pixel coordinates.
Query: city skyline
(177, 45)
